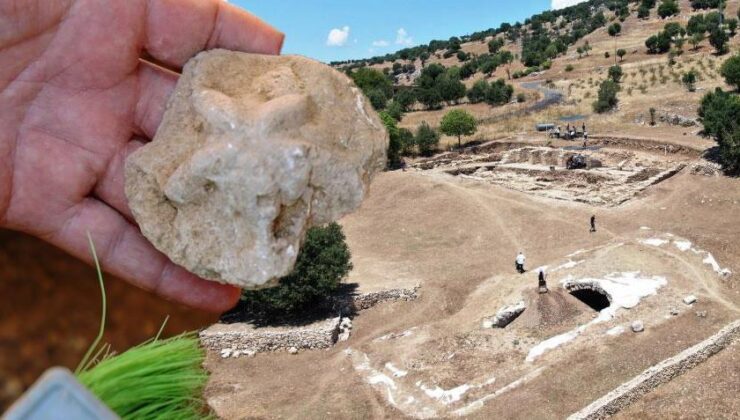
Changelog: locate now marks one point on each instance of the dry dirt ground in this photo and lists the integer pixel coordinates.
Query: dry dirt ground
(457, 237)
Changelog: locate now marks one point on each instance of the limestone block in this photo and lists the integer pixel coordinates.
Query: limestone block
(251, 152)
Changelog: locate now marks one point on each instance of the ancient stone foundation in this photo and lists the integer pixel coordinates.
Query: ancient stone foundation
(661, 373)
(367, 300)
(248, 338)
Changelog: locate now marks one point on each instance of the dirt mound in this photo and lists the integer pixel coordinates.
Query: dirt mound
(556, 307)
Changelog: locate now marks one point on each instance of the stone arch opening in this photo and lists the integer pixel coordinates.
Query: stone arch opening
(591, 294)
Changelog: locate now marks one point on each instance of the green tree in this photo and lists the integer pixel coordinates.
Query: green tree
(689, 80)
(406, 139)
(731, 26)
(607, 97)
(395, 110)
(658, 44)
(477, 93)
(450, 88)
(458, 123)
(405, 98)
(495, 44)
(730, 70)
(668, 8)
(374, 84)
(673, 29)
(621, 53)
(643, 12)
(696, 39)
(615, 73)
(499, 93)
(718, 38)
(430, 97)
(614, 29)
(720, 114)
(426, 138)
(322, 263)
(696, 25)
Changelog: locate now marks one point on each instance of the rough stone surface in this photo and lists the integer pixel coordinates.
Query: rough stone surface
(507, 314)
(251, 152)
(368, 300)
(249, 338)
(663, 372)
(638, 326)
(689, 299)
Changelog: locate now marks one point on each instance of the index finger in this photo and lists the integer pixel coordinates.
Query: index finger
(176, 30)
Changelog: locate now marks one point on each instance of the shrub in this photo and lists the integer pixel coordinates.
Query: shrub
(607, 96)
(520, 97)
(689, 80)
(569, 67)
(606, 54)
(652, 116)
(668, 8)
(615, 73)
(730, 70)
(426, 139)
(720, 113)
(322, 263)
(394, 140)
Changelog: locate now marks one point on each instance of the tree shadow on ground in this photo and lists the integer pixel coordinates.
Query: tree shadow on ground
(712, 154)
(341, 303)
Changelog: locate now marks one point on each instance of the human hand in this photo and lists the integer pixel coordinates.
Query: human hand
(76, 100)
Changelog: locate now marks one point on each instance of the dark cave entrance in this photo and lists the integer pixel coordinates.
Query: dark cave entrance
(594, 299)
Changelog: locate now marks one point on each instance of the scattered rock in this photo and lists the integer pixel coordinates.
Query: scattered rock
(293, 350)
(251, 152)
(637, 326)
(701, 314)
(487, 323)
(689, 299)
(674, 311)
(226, 353)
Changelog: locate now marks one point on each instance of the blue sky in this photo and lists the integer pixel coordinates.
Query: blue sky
(337, 30)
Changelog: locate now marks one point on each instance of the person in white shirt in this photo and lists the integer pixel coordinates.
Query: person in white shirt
(520, 258)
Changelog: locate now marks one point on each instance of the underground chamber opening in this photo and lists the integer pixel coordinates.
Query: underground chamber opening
(594, 299)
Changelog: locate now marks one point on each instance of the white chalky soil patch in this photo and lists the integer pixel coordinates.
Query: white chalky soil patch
(625, 291)
(686, 245)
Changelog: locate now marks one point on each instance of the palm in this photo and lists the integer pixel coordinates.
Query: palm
(75, 100)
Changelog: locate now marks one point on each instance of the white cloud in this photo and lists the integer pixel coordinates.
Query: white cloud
(403, 38)
(560, 4)
(338, 37)
(380, 43)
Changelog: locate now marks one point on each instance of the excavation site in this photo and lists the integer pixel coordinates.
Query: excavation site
(604, 173)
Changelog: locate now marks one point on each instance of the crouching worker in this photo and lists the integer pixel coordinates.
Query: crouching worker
(520, 258)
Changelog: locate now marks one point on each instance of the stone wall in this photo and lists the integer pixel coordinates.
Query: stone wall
(250, 339)
(661, 373)
(362, 301)
(246, 339)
